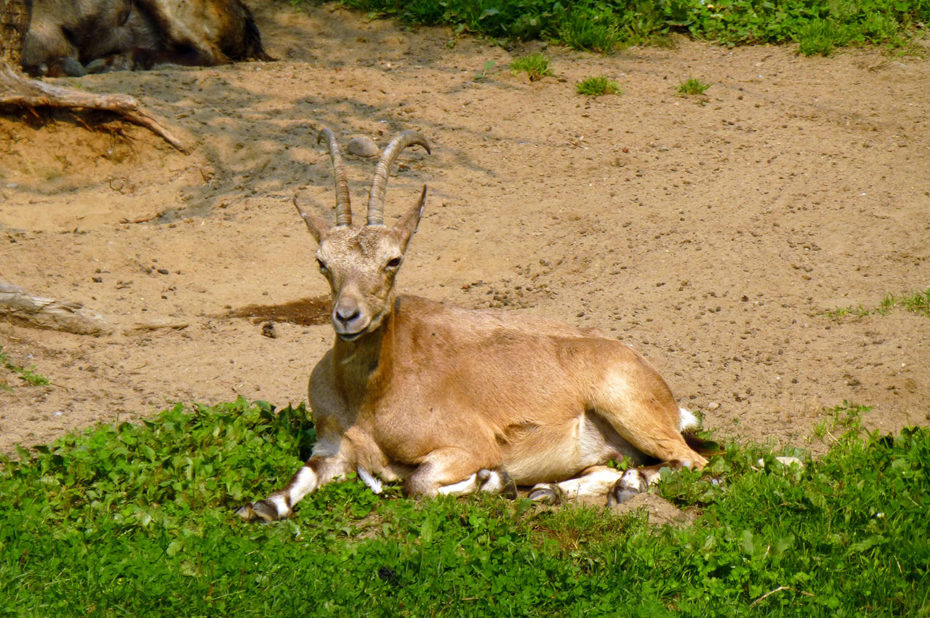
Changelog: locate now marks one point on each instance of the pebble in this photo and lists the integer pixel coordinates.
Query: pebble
(363, 147)
(268, 330)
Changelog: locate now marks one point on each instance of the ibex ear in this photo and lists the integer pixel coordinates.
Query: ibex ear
(407, 225)
(315, 223)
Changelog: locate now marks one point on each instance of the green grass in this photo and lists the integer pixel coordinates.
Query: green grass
(816, 26)
(820, 37)
(597, 86)
(590, 30)
(26, 374)
(845, 420)
(916, 302)
(839, 313)
(536, 66)
(692, 86)
(139, 520)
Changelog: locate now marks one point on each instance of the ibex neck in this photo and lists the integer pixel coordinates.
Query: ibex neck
(359, 362)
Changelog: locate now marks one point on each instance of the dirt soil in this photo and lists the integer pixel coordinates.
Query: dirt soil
(711, 233)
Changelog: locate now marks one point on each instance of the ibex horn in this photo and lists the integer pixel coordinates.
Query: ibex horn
(343, 206)
(379, 184)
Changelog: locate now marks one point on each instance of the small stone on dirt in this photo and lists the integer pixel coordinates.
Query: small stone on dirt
(362, 147)
(268, 330)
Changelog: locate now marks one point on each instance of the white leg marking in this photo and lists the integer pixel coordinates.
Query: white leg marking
(302, 484)
(491, 481)
(468, 486)
(687, 420)
(594, 484)
(280, 505)
(367, 478)
(634, 480)
(496, 482)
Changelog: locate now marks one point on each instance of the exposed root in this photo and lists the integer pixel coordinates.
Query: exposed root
(17, 90)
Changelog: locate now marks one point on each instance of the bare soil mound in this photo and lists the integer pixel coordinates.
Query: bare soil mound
(709, 233)
(660, 511)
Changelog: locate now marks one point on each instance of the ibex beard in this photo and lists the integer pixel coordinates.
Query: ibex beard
(453, 401)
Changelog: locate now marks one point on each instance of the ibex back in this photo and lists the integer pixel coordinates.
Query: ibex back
(452, 400)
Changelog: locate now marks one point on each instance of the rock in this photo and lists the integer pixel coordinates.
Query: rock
(156, 324)
(363, 147)
(18, 305)
(268, 330)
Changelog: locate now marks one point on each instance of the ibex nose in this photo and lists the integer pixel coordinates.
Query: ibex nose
(344, 315)
(348, 319)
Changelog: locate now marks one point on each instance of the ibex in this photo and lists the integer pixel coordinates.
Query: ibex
(452, 400)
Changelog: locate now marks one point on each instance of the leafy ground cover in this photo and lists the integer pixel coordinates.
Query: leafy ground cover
(818, 26)
(139, 519)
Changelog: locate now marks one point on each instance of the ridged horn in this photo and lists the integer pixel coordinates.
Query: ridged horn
(383, 170)
(343, 205)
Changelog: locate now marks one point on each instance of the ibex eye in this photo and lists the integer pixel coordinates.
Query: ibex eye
(394, 263)
(322, 265)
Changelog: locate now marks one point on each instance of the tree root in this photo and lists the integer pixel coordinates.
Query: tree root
(20, 91)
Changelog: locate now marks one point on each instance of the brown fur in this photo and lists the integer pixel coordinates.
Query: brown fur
(493, 389)
(416, 390)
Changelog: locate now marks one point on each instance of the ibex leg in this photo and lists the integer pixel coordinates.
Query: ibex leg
(594, 482)
(316, 472)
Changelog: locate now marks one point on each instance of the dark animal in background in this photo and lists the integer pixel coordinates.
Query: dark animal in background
(64, 35)
(74, 37)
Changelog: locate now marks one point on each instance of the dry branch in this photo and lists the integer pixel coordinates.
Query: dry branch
(20, 306)
(18, 90)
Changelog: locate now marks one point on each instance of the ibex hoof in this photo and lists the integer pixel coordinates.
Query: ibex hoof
(496, 482)
(262, 510)
(546, 493)
(619, 496)
(632, 482)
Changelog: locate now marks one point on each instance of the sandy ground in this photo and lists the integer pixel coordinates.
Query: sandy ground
(709, 233)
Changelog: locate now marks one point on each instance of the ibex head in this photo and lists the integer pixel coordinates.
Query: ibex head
(361, 262)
